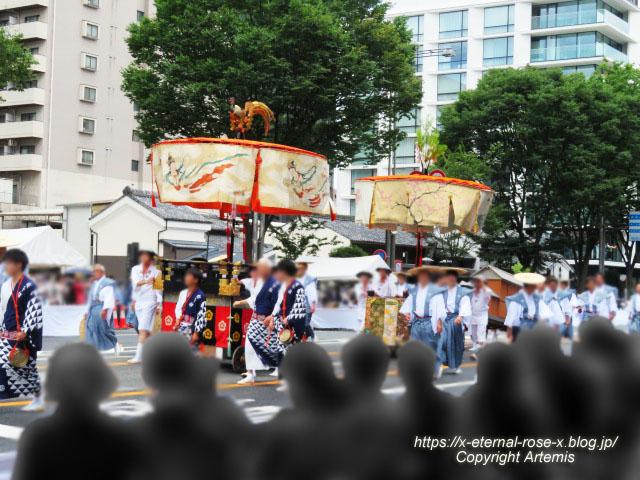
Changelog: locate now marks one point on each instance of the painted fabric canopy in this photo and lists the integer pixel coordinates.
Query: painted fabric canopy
(255, 176)
(418, 203)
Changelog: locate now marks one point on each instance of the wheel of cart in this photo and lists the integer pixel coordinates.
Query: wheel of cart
(237, 360)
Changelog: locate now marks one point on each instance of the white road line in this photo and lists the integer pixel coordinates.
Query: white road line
(10, 432)
(442, 386)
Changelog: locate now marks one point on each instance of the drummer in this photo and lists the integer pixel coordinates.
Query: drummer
(457, 304)
(384, 287)
(526, 308)
(421, 307)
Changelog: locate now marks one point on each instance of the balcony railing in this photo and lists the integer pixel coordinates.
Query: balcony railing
(579, 18)
(41, 63)
(29, 96)
(29, 129)
(29, 30)
(573, 52)
(20, 162)
(18, 4)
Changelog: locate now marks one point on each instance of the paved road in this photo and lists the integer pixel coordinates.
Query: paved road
(260, 401)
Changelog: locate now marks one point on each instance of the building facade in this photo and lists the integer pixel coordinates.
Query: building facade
(574, 35)
(70, 135)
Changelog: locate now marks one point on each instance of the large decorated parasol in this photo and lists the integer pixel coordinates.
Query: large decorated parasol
(420, 203)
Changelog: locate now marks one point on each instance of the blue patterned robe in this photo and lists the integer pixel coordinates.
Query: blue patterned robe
(23, 381)
(194, 314)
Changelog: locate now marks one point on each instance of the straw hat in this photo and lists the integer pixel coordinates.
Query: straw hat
(458, 270)
(423, 268)
(6, 241)
(386, 268)
(364, 272)
(530, 278)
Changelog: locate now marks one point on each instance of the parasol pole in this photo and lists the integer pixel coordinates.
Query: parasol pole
(254, 236)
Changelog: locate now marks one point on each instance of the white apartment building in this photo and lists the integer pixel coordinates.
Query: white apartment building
(575, 35)
(70, 136)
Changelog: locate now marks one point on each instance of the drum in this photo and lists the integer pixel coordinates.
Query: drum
(286, 336)
(18, 357)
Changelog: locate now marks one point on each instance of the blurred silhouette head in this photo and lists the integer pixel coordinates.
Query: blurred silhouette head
(309, 374)
(15, 262)
(498, 364)
(416, 364)
(365, 360)
(98, 271)
(192, 278)
(285, 270)
(590, 283)
(599, 279)
(168, 365)
(78, 376)
(263, 267)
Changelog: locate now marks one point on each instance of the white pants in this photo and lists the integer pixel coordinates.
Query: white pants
(146, 313)
(251, 359)
(478, 333)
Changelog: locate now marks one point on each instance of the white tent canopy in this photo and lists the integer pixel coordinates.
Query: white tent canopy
(343, 268)
(45, 247)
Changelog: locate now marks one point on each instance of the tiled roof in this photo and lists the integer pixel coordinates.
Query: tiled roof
(362, 234)
(180, 213)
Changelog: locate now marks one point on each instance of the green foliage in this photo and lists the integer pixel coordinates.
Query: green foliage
(559, 150)
(299, 237)
(518, 268)
(428, 140)
(15, 62)
(347, 252)
(328, 69)
(451, 247)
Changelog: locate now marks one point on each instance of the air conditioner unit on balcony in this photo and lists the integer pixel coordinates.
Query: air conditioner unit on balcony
(12, 142)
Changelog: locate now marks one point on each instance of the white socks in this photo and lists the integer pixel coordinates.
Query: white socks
(137, 358)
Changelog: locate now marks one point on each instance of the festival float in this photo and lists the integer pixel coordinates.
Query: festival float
(421, 204)
(240, 179)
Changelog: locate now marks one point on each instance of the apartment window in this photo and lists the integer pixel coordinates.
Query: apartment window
(30, 84)
(459, 60)
(450, 85)
(27, 149)
(92, 3)
(91, 30)
(352, 208)
(575, 45)
(89, 62)
(586, 70)
(499, 19)
(4, 22)
(139, 15)
(3, 117)
(454, 24)
(31, 18)
(419, 61)
(34, 50)
(86, 157)
(358, 174)
(87, 125)
(27, 117)
(135, 136)
(498, 51)
(438, 113)
(416, 25)
(135, 165)
(136, 107)
(88, 93)
(410, 123)
(406, 151)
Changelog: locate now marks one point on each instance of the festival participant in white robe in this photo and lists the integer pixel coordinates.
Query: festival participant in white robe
(385, 287)
(457, 305)
(21, 332)
(191, 308)
(526, 308)
(251, 282)
(146, 301)
(310, 285)
(422, 305)
(594, 301)
(361, 290)
(263, 304)
(633, 309)
(480, 298)
(99, 330)
(612, 294)
(550, 296)
(560, 303)
(575, 316)
(402, 287)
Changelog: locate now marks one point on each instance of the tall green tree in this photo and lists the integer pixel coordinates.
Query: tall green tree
(15, 62)
(328, 69)
(300, 237)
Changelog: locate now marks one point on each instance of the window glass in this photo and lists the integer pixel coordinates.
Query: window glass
(499, 19)
(92, 30)
(135, 165)
(360, 173)
(450, 85)
(87, 157)
(405, 153)
(459, 60)
(416, 24)
(31, 18)
(409, 123)
(90, 94)
(498, 51)
(27, 149)
(419, 61)
(27, 117)
(88, 125)
(454, 24)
